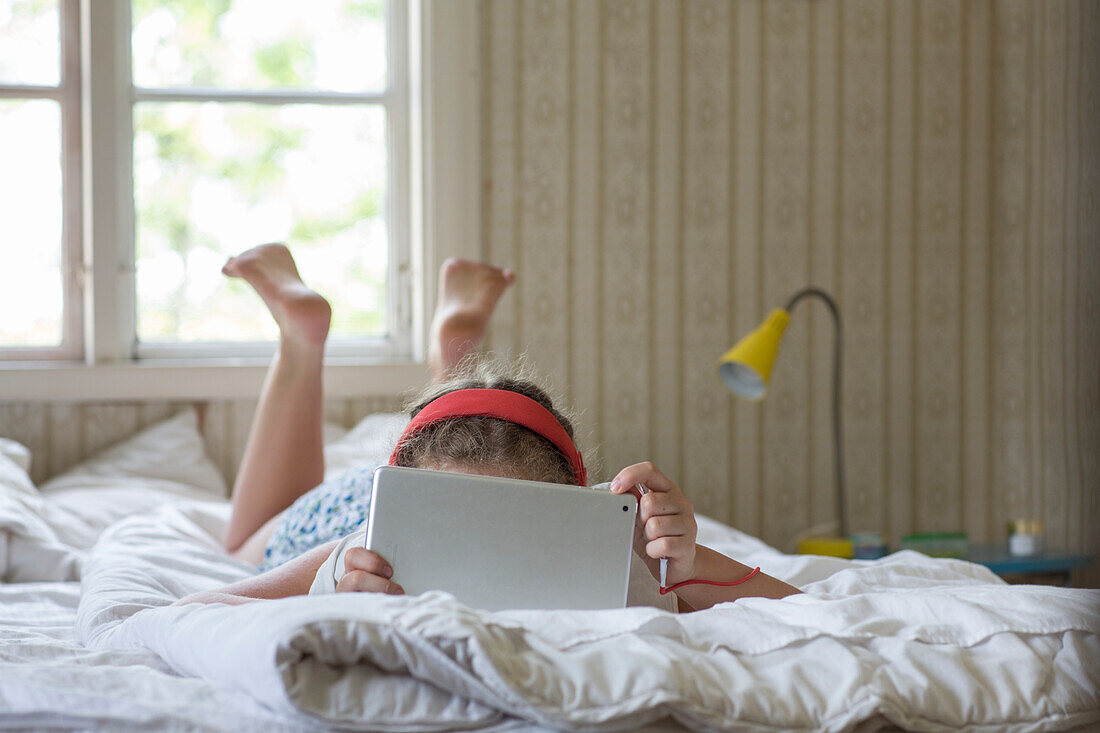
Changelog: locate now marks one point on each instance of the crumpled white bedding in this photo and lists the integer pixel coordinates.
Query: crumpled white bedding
(44, 533)
(924, 644)
(48, 678)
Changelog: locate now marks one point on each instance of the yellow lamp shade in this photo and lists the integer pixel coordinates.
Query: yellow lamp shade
(747, 367)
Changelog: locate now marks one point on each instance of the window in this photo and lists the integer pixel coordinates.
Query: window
(80, 254)
(40, 307)
(228, 123)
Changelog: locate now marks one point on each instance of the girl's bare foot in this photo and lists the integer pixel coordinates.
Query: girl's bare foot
(468, 292)
(303, 315)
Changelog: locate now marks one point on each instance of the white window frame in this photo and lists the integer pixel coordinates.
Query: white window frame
(115, 84)
(67, 95)
(441, 218)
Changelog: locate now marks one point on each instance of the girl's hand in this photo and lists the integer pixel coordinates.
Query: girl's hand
(367, 572)
(665, 525)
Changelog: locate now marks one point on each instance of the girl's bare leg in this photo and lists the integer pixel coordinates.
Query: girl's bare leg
(468, 293)
(283, 457)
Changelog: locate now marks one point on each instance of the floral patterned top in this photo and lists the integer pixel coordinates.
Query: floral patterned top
(329, 512)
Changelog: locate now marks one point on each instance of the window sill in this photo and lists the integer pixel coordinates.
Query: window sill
(193, 379)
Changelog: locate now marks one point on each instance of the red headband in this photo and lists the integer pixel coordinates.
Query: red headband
(504, 405)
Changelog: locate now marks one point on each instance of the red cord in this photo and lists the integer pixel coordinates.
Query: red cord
(746, 579)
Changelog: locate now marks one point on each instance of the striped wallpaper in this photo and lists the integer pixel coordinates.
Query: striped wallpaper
(662, 173)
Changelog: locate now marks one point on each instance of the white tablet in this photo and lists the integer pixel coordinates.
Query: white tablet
(498, 543)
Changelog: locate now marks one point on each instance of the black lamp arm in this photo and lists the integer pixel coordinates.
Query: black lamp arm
(837, 441)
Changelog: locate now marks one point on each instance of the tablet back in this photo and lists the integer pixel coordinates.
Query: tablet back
(499, 543)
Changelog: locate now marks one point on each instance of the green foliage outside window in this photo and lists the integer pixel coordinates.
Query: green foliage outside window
(209, 175)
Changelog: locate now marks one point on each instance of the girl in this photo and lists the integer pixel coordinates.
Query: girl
(291, 530)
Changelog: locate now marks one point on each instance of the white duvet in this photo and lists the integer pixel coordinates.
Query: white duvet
(923, 644)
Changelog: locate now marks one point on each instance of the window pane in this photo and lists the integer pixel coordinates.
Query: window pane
(30, 42)
(335, 45)
(30, 223)
(211, 179)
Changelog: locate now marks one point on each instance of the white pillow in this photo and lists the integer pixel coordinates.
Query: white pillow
(168, 456)
(369, 442)
(29, 547)
(43, 534)
(15, 462)
(165, 463)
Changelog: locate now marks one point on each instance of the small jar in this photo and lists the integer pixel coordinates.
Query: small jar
(869, 545)
(1025, 537)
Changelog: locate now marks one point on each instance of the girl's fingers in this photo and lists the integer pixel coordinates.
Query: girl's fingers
(359, 581)
(665, 527)
(360, 558)
(659, 505)
(669, 525)
(367, 572)
(642, 473)
(672, 548)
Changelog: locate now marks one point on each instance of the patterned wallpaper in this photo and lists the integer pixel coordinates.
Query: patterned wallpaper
(662, 173)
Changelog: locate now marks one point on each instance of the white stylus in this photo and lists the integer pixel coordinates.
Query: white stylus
(664, 560)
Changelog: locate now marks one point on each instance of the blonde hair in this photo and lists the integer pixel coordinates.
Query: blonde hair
(489, 444)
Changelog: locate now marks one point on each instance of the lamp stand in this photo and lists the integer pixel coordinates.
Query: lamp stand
(837, 442)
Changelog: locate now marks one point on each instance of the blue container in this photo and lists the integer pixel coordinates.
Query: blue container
(869, 546)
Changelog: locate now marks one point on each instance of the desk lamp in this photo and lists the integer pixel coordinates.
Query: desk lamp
(746, 370)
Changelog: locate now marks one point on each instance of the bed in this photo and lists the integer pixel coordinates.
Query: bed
(92, 559)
